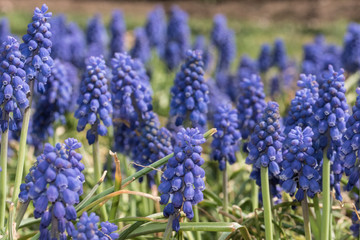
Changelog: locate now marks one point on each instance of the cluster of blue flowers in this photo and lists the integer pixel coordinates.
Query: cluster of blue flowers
(216, 98)
(251, 103)
(13, 86)
(95, 100)
(329, 121)
(300, 168)
(190, 92)
(96, 37)
(177, 38)
(118, 30)
(156, 29)
(141, 48)
(355, 227)
(227, 137)
(182, 182)
(52, 106)
(301, 107)
(154, 144)
(87, 228)
(349, 152)
(36, 48)
(54, 184)
(265, 148)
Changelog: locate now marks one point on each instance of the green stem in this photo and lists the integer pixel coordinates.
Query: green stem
(196, 219)
(265, 189)
(3, 164)
(168, 229)
(305, 211)
(225, 189)
(317, 211)
(325, 221)
(22, 147)
(254, 195)
(116, 200)
(97, 173)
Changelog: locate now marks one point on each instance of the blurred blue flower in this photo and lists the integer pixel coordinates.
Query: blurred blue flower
(265, 58)
(227, 137)
(177, 38)
(118, 31)
(52, 106)
(154, 144)
(155, 28)
(279, 57)
(94, 101)
(96, 37)
(250, 105)
(141, 48)
(351, 48)
(4, 29)
(182, 182)
(36, 48)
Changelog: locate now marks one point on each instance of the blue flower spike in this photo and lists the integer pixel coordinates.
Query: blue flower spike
(182, 182)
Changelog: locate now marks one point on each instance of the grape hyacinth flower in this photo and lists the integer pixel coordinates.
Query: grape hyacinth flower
(351, 48)
(4, 29)
(265, 147)
(76, 44)
(54, 184)
(275, 86)
(52, 106)
(131, 98)
(251, 104)
(87, 228)
(227, 137)
(301, 107)
(219, 29)
(154, 144)
(190, 88)
(227, 51)
(13, 87)
(96, 37)
(264, 59)
(300, 174)
(279, 58)
(141, 48)
(182, 182)
(36, 49)
(118, 30)
(177, 38)
(216, 98)
(59, 32)
(155, 28)
(329, 121)
(349, 151)
(95, 100)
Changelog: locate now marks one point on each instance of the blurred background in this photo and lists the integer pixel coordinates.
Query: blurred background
(254, 21)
